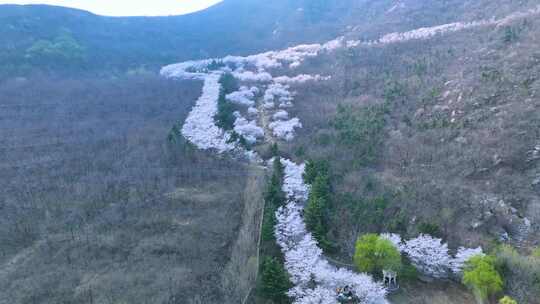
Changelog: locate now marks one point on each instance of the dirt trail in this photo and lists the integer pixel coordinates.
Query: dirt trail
(264, 121)
(432, 293)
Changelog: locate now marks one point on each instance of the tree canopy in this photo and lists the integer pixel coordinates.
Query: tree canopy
(275, 281)
(482, 277)
(507, 300)
(374, 254)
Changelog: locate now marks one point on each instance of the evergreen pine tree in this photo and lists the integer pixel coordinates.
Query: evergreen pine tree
(315, 210)
(275, 281)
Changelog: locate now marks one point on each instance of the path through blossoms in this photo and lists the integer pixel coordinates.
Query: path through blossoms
(314, 278)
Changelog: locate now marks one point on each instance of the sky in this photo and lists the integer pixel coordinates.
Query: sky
(128, 7)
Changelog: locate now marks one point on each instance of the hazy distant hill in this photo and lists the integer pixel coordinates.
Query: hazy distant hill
(57, 38)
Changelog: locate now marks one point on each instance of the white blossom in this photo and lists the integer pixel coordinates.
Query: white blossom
(253, 111)
(200, 127)
(243, 96)
(269, 105)
(248, 129)
(281, 115)
(302, 78)
(462, 256)
(334, 44)
(252, 76)
(394, 238)
(429, 255)
(285, 129)
(277, 90)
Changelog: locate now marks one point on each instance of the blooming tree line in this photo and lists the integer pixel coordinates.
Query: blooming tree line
(430, 255)
(314, 278)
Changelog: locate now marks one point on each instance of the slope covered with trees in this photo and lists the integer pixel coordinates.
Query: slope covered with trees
(430, 134)
(57, 39)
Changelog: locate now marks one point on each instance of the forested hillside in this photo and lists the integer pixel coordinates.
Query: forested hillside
(339, 140)
(57, 39)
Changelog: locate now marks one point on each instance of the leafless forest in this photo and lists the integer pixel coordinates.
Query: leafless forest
(103, 202)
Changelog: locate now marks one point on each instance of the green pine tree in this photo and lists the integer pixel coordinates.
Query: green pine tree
(274, 281)
(315, 211)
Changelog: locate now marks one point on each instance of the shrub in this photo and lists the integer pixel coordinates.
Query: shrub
(274, 280)
(536, 253)
(225, 117)
(374, 254)
(482, 277)
(313, 169)
(228, 83)
(63, 48)
(408, 272)
(511, 34)
(216, 65)
(430, 229)
(372, 211)
(429, 255)
(362, 130)
(507, 300)
(521, 273)
(394, 90)
(274, 198)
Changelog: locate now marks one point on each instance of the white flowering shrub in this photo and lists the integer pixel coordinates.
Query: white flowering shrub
(277, 91)
(299, 79)
(429, 255)
(248, 129)
(252, 111)
(285, 129)
(244, 96)
(462, 256)
(252, 76)
(281, 115)
(269, 105)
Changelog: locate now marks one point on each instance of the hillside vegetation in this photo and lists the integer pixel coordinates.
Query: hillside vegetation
(381, 153)
(60, 40)
(432, 136)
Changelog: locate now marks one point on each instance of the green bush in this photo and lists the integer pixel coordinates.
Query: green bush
(315, 213)
(430, 229)
(374, 254)
(507, 300)
(313, 169)
(394, 90)
(362, 130)
(536, 253)
(482, 277)
(274, 198)
(274, 281)
(408, 272)
(511, 34)
(372, 212)
(228, 83)
(225, 117)
(520, 272)
(63, 48)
